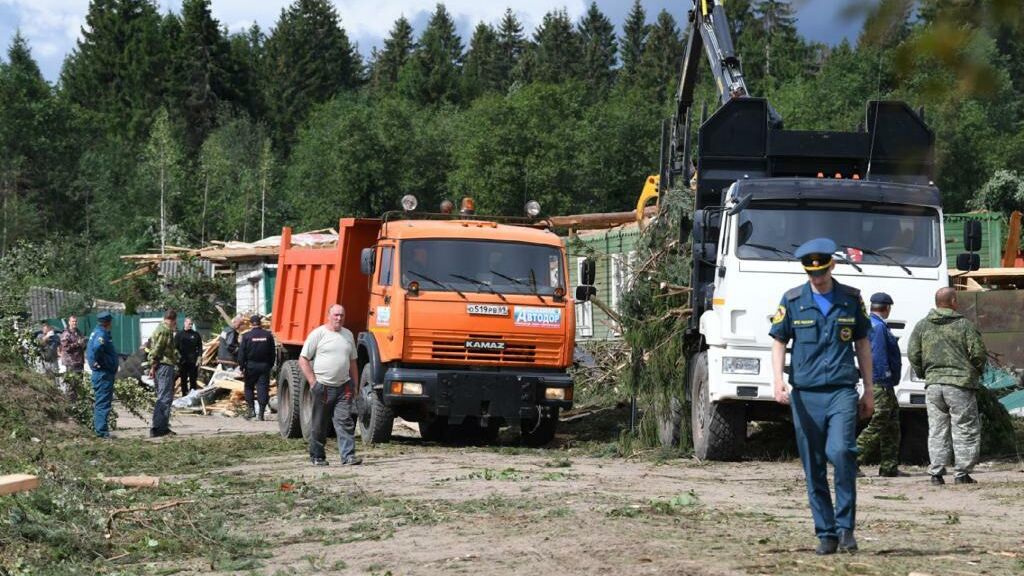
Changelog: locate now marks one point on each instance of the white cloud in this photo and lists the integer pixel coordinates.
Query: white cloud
(55, 21)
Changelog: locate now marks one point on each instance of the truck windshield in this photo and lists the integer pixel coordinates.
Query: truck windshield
(886, 235)
(483, 266)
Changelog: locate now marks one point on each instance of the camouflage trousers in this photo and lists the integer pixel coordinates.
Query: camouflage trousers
(882, 435)
(954, 429)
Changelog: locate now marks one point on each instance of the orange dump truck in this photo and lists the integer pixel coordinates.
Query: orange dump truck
(458, 321)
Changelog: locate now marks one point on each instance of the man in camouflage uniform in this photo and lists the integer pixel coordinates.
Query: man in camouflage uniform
(947, 349)
(163, 358)
(882, 435)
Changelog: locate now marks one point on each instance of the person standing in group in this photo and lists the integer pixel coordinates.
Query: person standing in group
(189, 344)
(328, 361)
(49, 344)
(948, 351)
(828, 324)
(72, 355)
(227, 348)
(256, 355)
(882, 434)
(102, 359)
(163, 358)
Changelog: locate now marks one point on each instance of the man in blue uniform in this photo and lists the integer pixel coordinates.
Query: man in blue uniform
(827, 323)
(102, 359)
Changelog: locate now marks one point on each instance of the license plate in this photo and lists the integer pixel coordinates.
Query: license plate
(487, 309)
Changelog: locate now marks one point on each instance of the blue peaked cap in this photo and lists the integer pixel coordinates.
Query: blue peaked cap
(817, 246)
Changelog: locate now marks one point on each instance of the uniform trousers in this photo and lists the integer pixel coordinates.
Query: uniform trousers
(257, 379)
(825, 420)
(103, 396)
(954, 429)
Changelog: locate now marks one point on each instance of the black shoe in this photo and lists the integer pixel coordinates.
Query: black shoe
(260, 417)
(892, 473)
(826, 545)
(965, 479)
(161, 433)
(937, 480)
(353, 461)
(318, 461)
(249, 415)
(847, 542)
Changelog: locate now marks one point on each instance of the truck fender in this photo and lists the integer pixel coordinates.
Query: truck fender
(711, 328)
(369, 354)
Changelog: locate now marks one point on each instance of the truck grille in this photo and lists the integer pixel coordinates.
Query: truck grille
(514, 350)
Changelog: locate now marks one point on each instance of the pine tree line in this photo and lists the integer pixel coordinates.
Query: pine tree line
(167, 130)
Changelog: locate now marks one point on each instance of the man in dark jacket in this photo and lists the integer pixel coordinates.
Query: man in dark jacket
(103, 361)
(190, 347)
(227, 349)
(256, 356)
(948, 351)
(882, 435)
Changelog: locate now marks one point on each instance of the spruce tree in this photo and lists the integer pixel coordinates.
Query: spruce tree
(388, 63)
(206, 63)
(662, 55)
(511, 45)
(431, 76)
(480, 73)
(556, 53)
(598, 44)
(308, 60)
(247, 56)
(634, 38)
(114, 72)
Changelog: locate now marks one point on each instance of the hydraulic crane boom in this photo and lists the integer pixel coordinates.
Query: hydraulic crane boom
(708, 32)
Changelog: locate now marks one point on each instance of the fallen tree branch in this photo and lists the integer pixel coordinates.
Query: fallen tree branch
(154, 508)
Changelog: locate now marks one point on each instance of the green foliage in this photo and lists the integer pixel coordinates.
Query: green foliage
(388, 63)
(1004, 192)
(195, 294)
(431, 76)
(598, 50)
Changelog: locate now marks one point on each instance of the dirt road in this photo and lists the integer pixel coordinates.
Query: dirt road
(424, 509)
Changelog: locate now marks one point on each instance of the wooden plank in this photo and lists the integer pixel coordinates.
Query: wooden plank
(134, 481)
(12, 483)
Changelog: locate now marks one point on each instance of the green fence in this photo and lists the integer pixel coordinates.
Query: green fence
(992, 237)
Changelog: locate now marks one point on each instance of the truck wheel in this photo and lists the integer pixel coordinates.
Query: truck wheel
(375, 419)
(433, 430)
(289, 392)
(537, 434)
(914, 436)
(719, 430)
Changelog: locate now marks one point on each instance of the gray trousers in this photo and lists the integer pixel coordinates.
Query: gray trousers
(954, 429)
(164, 397)
(333, 404)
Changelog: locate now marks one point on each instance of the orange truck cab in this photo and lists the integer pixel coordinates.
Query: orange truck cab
(458, 321)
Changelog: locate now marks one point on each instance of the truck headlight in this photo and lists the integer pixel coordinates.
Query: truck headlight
(407, 388)
(734, 365)
(563, 394)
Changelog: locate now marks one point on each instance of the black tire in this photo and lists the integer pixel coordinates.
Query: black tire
(290, 385)
(540, 433)
(433, 430)
(375, 419)
(914, 436)
(719, 429)
(670, 421)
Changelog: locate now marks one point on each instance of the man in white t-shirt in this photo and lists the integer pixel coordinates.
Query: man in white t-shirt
(328, 361)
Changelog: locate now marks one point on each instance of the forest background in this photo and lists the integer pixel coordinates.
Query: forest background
(163, 129)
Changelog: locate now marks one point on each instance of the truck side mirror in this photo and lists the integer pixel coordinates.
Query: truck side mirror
(968, 262)
(367, 261)
(740, 205)
(972, 235)
(589, 272)
(584, 293)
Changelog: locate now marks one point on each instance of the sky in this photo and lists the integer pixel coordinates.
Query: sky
(53, 26)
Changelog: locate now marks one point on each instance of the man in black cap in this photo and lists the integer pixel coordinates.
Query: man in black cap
(256, 355)
(882, 435)
(827, 323)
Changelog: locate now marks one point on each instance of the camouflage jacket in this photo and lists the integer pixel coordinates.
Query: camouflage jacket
(946, 348)
(161, 347)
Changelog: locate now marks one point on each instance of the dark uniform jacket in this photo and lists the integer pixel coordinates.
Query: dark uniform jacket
(823, 353)
(190, 346)
(100, 353)
(886, 362)
(227, 350)
(256, 352)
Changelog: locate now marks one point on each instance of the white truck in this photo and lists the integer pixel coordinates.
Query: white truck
(759, 192)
